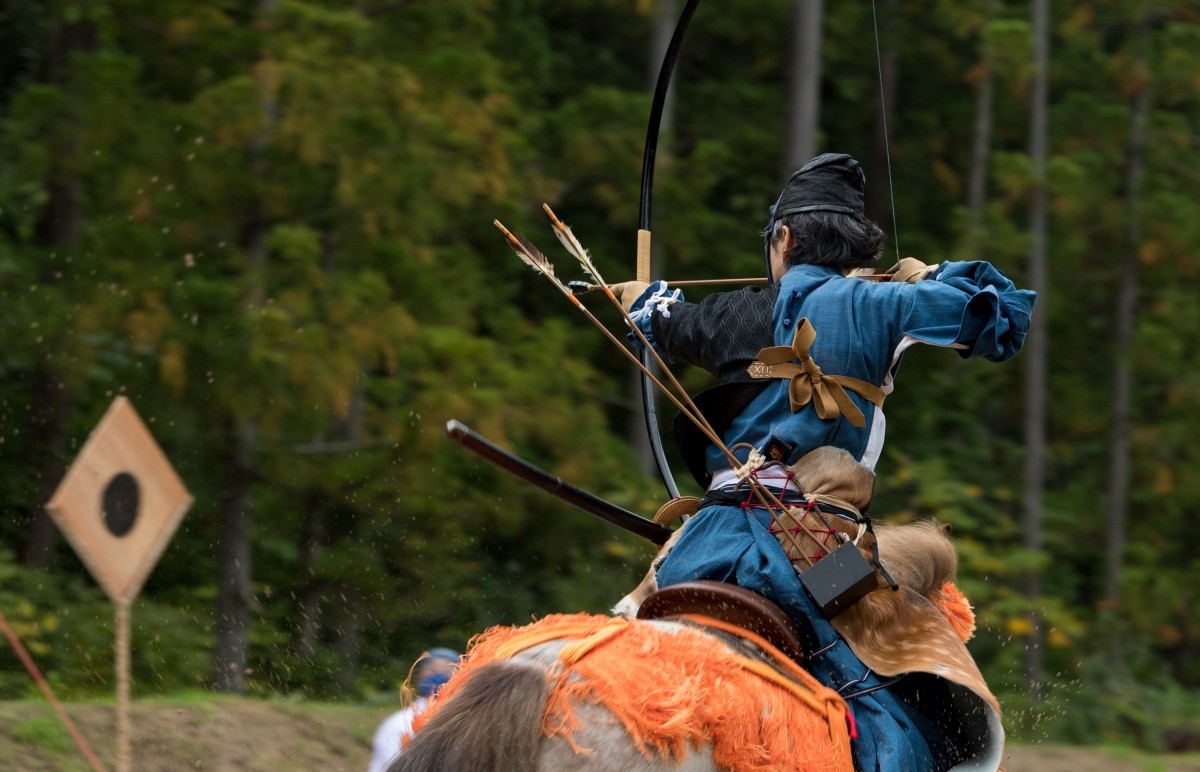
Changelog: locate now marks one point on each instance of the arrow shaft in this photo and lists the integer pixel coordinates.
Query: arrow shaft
(579, 287)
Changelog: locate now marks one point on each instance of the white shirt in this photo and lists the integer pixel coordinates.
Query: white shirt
(386, 745)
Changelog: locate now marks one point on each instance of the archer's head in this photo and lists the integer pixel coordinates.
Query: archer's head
(819, 219)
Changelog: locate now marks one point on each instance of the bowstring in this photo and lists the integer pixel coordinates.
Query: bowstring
(887, 145)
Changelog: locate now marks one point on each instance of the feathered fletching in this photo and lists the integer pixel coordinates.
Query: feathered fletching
(566, 237)
(529, 254)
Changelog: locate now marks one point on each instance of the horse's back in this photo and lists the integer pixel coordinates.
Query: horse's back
(609, 748)
(618, 695)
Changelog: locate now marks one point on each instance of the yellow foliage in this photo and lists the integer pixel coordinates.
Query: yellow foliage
(267, 78)
(141, 210)
(171, 366)
(181, 30)
(147, 324)
(947, 177)
(1164, 480)
(1080, 21)
(1058, 639)
(1018, 626)
(1150, 252)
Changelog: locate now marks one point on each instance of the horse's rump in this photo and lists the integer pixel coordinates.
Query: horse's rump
(462, 741)
(673, 688)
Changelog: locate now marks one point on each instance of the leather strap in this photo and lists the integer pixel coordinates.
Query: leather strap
(809, 383)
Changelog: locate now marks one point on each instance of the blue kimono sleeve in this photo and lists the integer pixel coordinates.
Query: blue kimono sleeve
(972, 307)
(658, 297)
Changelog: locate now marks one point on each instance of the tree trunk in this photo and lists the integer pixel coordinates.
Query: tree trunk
(308, 604)
(1036, 344)
(50, 445)
(59, 227)
(981, 141)
(349, 646)
(1127, 271)
(804, 85)
(235, 600)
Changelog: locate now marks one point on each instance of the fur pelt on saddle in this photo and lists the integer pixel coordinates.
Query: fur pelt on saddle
(917, 631)
(923, 626)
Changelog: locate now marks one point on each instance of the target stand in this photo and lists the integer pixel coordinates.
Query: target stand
(118, 506)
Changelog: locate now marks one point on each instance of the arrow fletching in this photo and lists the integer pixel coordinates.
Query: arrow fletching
(529, 254)
(567, 238)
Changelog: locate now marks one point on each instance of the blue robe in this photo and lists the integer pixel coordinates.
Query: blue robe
(862, 329)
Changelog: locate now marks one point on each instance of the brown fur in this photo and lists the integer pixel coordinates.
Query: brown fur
(832, 475)
(903, 631)
(494, 723)
(917, 555)
(892, 632)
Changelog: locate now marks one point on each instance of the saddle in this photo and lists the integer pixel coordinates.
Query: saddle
(728, 603)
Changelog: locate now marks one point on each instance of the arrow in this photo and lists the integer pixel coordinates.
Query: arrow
(580, 287)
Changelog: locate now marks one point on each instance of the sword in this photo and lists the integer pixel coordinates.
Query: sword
(522, 469)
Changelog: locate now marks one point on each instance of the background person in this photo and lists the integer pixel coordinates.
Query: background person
(433, 669)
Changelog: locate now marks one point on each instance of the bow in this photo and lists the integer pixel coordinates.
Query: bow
(643, 240)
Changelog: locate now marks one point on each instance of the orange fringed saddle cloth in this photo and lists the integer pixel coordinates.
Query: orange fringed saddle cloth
(674, 688)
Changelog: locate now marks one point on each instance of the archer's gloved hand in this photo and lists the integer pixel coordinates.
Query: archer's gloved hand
(628, 292)
(911, 270)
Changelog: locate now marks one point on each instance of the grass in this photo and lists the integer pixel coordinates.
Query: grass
(199, 730)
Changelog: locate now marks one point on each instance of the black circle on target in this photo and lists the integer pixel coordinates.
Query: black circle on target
(120, 504)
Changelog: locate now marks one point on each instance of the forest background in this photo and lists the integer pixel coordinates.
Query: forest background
(268, 224)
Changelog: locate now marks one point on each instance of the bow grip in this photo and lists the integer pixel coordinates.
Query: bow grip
(643, 256)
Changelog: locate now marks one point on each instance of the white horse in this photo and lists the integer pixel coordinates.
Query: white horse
(552, 707)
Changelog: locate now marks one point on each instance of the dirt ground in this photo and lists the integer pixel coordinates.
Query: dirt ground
(226, 734)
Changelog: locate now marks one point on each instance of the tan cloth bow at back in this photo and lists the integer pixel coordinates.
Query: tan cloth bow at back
(809, 384)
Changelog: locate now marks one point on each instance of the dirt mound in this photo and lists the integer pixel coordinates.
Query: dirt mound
(209, 733)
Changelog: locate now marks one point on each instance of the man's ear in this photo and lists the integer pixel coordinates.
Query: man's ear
(785, 239)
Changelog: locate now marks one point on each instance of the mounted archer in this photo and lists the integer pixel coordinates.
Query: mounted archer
(805, 366)
(885, 680)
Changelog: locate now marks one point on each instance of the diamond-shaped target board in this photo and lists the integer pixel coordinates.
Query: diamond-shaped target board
(120, 502)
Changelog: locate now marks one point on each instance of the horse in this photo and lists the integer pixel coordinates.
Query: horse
(693, 691)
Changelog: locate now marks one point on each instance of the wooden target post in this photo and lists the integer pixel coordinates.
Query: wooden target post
(118, 506)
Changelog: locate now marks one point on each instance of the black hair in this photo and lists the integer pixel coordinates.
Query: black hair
(837, 240)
